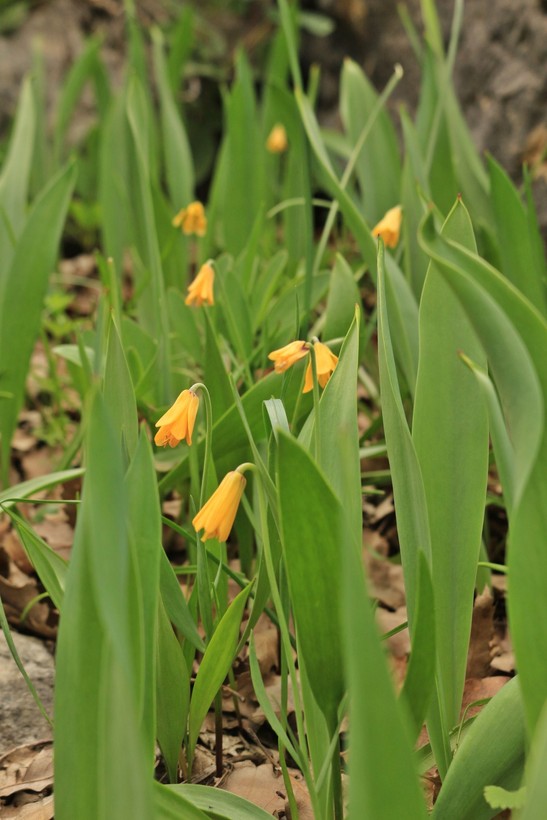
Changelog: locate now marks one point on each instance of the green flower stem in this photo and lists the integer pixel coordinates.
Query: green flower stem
(316, 399)
(208, 439)
(285, 637)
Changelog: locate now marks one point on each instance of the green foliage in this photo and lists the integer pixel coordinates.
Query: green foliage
(458, 347)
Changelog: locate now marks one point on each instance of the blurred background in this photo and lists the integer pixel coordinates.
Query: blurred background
(500, 73)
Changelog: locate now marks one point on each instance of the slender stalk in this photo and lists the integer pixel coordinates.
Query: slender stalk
(208, 439)
(218, 734)
(337, 795)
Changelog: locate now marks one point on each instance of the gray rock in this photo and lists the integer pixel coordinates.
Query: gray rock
(20, 719)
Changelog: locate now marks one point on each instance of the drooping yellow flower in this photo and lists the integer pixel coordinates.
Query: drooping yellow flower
(285, 357)
(178, 422)
(200, 291)
(217, 515)
(325, 362)
(277, 141)
(191, 220)
(389, 227)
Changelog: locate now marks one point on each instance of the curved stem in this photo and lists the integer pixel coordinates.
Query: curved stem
(208, 439)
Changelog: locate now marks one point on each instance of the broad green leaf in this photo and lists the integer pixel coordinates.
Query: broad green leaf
(500, 798)
(171, 805)
(378, 167)
(479, 762)
(408, 488)
(501, 443)
(218, 803)
(26, 284)
(265, 704)
(151, 306)
(535, 789)
(35, 485)
(380, 745)
(119, 394)
(450, 434)
(514, 335)
(415, 261)
(96, 692)
(144, 530)
(342, 297)
(311, 525)
(172, 693)
(113, 172)
(214, 666)
(14, 181)
(80, 72)
(176, 149)
(50, 567)
(420, 675)
(338, 420)
(242, 185)
(517, 245)
(175, 604)
(184, 326)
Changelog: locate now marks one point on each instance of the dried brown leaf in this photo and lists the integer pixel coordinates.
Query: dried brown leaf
(264, 787)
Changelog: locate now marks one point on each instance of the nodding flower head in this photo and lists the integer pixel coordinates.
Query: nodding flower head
(217, 515)
(191, 220)
(389, 227)
(200, 291)
(178, 423)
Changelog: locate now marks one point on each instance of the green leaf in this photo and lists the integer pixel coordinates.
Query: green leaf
(144, 530)
(535, 787)
(14, 181)
(171, 805)
(381, 749)
(338, 421)
(35, 485)
(96, 685)
(81, 71)
(450, 433)
(420, 675)
(214, 666)
(408, 489)
(50, 567)
(241, 200)
(26, 284)
(500, 798)
(175, 604)
(341, 300)
(176, 148)
(517, 244)
(172, 693)
(119, 394)
(311, 524)
(151, 306)
(218, 803)
(479, 762)
(378, 166)
(514, 335)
